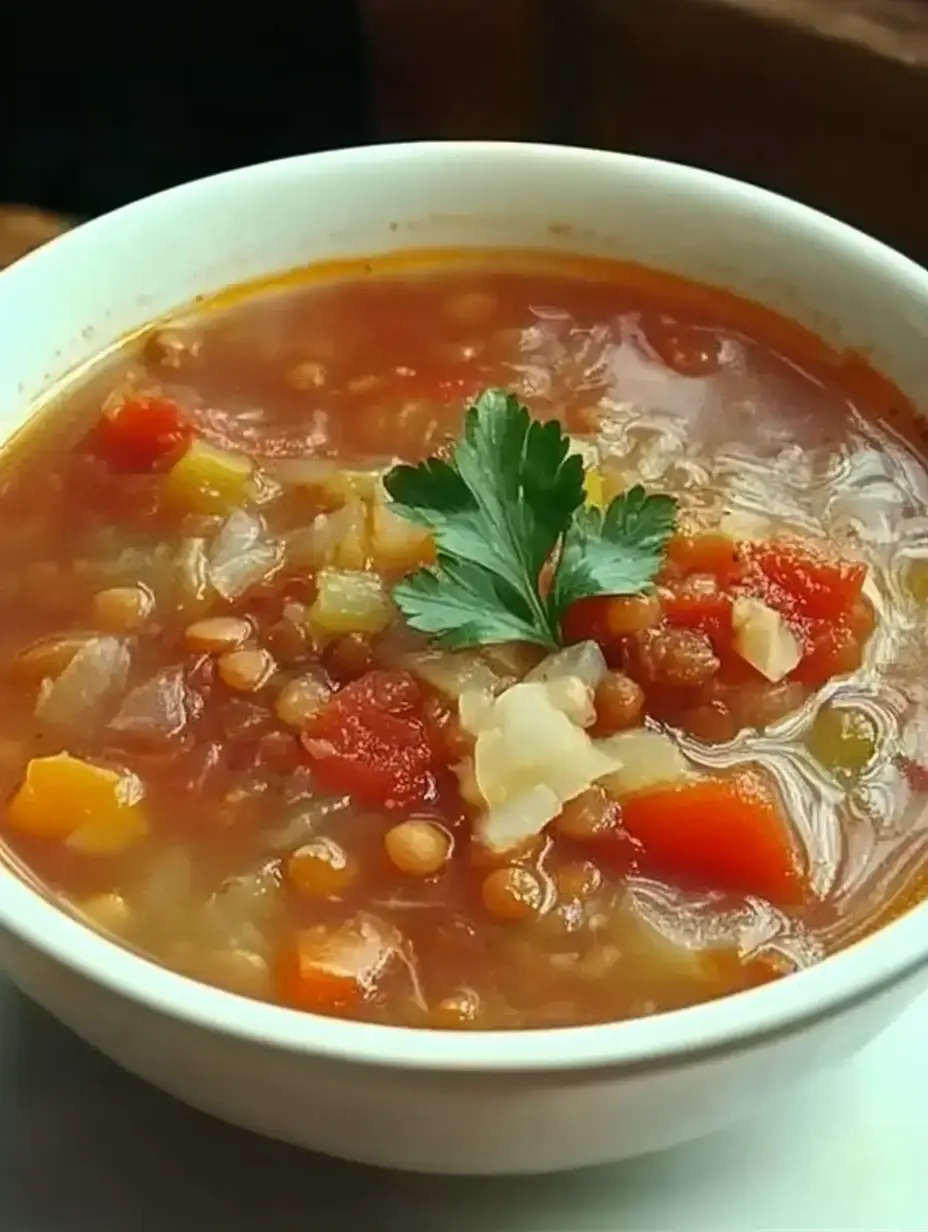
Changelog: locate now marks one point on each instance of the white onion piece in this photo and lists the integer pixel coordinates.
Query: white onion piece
(643, 759)
(156, 709)
(475, 710)
(241, 557)
(453, 673)
(316, 545)
(573, 698)
(191, 572)
(764, 639)
(583, 662)
(529, 743)
(92, 679)
(509, 825)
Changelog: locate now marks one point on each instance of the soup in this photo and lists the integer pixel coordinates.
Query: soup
(333, 678)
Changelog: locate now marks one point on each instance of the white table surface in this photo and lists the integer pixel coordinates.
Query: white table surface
(85, 1148)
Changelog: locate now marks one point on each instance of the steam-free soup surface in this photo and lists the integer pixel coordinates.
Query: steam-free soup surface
(232, 735)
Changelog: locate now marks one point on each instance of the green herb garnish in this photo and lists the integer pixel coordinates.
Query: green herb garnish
(511, 499)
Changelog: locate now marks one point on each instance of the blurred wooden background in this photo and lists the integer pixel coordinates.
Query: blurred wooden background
(824, 100)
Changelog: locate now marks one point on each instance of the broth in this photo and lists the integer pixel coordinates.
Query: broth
(222, 744)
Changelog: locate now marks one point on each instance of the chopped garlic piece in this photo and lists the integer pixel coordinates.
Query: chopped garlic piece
(763, 639)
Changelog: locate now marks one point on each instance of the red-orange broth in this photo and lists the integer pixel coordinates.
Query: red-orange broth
(162, 625)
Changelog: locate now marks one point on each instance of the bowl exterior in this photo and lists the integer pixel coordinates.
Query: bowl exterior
(446, 1122)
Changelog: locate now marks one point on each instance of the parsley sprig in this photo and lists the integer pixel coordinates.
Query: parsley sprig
(511, 499)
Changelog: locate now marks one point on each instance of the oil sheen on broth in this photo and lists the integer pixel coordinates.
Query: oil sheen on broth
(169, 537)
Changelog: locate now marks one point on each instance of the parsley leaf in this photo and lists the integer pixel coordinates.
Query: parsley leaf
(617, 553)
(461, 606)
(502, 503)
(509, 501)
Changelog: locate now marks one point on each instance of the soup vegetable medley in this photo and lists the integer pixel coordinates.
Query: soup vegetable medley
(470, 641)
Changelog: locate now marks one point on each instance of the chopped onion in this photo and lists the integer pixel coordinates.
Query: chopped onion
(192, 579)
(155, 710)
(475, 710)
(95, 674)
(455, 672)
(509, 825)
(305, 822)
(584, 662)
(764, 639)
(642, 759)
(573, 698)
(241, 557)
(333, 539)
(237, 915)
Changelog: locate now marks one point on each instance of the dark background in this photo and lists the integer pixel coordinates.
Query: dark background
(96, 110)
(823, 100)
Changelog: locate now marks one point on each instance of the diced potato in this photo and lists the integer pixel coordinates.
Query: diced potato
(644, 758)
(208, 479)
(350, 601)
(397, 543)
(530, 746)
(94, 810)
(763, 639)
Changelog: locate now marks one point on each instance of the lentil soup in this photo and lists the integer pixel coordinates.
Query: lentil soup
(323, 688)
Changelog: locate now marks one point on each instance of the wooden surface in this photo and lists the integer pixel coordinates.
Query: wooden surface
(823, 100)
(22, 229)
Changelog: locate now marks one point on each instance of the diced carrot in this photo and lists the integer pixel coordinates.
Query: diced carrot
(333, 972)
(712, 552)
(803, 579)
(94, 810)
(725, 834)
(143, 434)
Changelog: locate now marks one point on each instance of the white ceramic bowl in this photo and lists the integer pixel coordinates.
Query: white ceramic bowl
(442, 1101)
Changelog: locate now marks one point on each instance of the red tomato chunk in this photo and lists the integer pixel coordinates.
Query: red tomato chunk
(370, 740)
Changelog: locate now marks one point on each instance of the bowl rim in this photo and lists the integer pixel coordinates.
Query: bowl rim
(743, 1020)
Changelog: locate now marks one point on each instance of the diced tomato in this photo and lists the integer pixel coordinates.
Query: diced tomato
(370, 741)
(712, 552)
(706, 610)
(725, 834)
(814, 583)
(332, 972)
(143, 434)
(831, 650)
